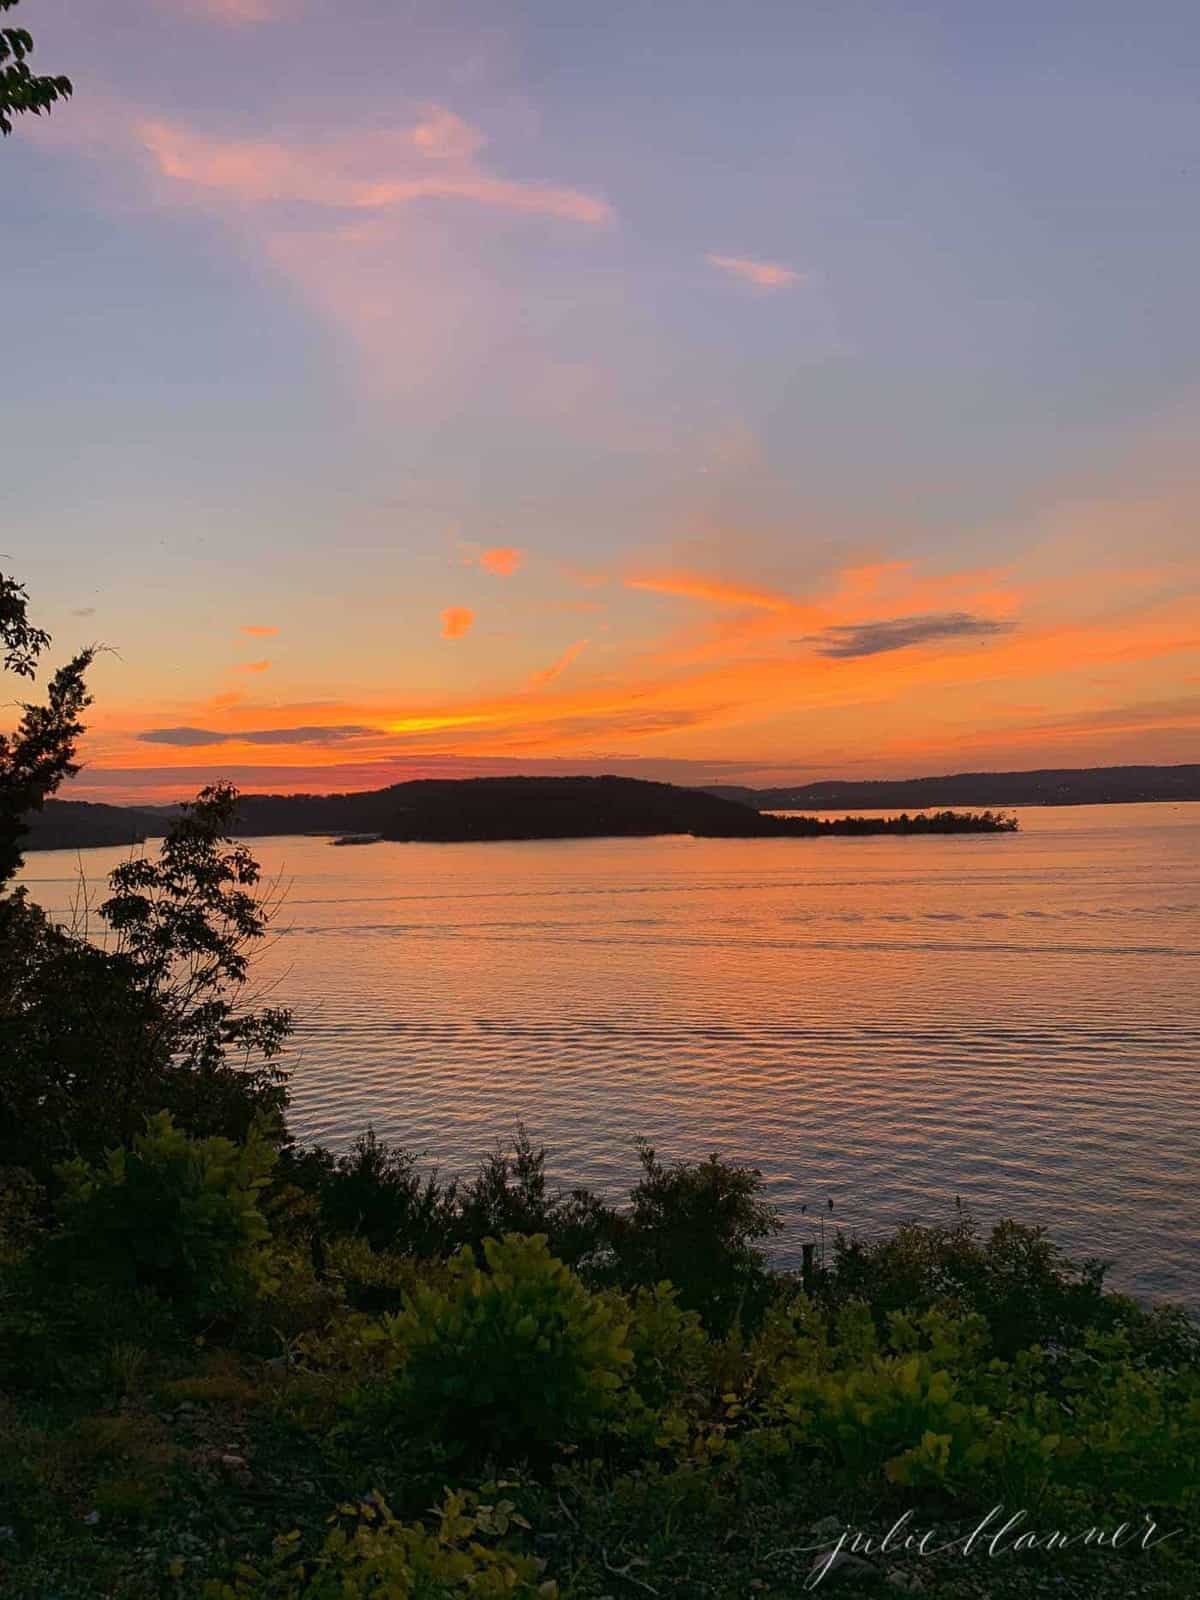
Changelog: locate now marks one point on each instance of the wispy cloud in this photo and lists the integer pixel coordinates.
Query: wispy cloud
(253, 666)
(719, 591)
(186, 738)
(456, 620)
(556, 669)
(763, 274)
(588, 578)
(260, 631)
(84, 611)
(848, 640)
(232, 11)
(502, 560)
(375, 170)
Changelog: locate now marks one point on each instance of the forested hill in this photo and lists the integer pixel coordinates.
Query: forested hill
(504, 808)
(478, 808)
(79, 825)
(434, 809)
(1052, 786)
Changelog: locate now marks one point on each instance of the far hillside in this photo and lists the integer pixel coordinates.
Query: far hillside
(464, 809)
(1053, 786)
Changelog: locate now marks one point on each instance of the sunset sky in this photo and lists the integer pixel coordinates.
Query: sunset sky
(745, 393)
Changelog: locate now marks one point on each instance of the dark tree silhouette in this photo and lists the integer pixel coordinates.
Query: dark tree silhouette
(39, 755)
(96, 1033)
(22, 90)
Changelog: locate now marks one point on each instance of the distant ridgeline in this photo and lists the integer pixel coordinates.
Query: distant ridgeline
(1068, 786)
(449, 810)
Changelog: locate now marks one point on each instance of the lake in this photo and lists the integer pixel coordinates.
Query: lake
(884, 1022)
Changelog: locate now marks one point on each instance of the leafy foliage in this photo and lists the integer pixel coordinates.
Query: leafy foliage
(697, 1225)
(100, 1036)
(39, 755)
(21, 90)
(927, 1406)
(1016, 1278)
(510, 1356)
(185, 921)
(173, 1216)
(370, 1552)
(672, 1404)
(376, 1192)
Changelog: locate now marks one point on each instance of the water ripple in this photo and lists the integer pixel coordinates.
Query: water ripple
(889, 1023)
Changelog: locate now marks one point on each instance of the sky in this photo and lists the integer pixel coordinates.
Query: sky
(740, 393)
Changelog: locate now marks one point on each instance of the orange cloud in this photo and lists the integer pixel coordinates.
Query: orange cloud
(693, 586)
(883, 595)
(253, 666)
(259, 632)
(763, 274)
(502, 560)
(764, 709)
(372, 171)
(556, 669)
(880, 665)
(456, 620)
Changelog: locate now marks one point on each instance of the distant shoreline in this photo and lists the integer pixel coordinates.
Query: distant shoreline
(500, 809)
(465, 809)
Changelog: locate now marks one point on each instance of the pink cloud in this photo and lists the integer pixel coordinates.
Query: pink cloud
(456, 620)
(264, 631)
(373, 171)
(763, 274)
(235, 11)
(502, 560)
(253, 666)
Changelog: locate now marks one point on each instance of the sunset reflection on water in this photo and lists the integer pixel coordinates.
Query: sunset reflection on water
(887, 1022)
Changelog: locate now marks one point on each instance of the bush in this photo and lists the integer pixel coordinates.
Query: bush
(902, 1408)
(696, 1225)
(669, 1348)
(1016, 1278)
(508, 1358)
(928, 1408)
(376, 1193)
(174, 1217)
(371, 1553)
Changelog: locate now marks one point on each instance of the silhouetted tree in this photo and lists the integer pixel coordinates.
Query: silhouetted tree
(21, 89)
(97, 1034)
(39, 755)
(698, 1225)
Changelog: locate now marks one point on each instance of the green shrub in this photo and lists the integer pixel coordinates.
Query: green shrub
(373, 1280)
(697, 1226)
(927, 1408)
(510, 1357)
(370, 1552)
(670, 1351)
(896, 1409)
(174, 1217)
(375, 1191)
(1015, 1276)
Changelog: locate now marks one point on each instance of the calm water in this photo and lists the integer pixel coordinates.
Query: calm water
(885, 1022)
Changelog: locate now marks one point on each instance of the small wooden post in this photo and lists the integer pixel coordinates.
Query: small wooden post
(807, 1252)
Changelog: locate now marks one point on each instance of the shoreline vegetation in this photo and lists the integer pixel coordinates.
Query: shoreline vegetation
(448, 811)
(233, 1367)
